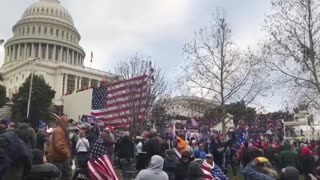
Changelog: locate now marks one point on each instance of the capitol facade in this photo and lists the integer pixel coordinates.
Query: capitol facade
(46, 31)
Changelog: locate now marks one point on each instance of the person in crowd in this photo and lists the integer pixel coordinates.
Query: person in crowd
(194, 171)
(154, 171)
(82, 148)
(182, 145)
(15, 156)
(211, 170)
(260, 169)
(3, 125)
(182, 166)
(103, 145)
(111, 140)
(140, 154)
(41, 170)
(194, 146)
(126, 155)
(217, 149)
(244, 155)
(288, 157)
(152, 147)
(289, 173)
(197, 157)
(59, 152)
(41, 139)
(270, 153)
(170, 163)
(26, 134)
(308, 164)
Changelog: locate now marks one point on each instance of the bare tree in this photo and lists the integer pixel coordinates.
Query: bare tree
(216, 68)
(293, 45)
(142, 96)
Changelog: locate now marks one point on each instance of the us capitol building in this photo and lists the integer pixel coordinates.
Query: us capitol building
(46, 30)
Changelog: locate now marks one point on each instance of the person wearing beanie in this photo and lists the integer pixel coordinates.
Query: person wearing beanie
(290, 173)
(194, 146)
(308, 164)
(259, 169)
(194, 171)
(170, 163)
(182, 166)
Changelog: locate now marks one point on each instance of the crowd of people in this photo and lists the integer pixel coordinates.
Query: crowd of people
(27, 153)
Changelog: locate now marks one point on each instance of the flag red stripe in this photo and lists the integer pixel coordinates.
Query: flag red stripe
(128, 94)
(126, 81)
(139, 86)
(124, 116)
(120, 103)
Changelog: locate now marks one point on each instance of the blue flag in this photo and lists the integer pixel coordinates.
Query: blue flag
(42, 124)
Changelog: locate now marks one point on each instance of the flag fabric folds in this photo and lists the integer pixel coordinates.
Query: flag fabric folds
(102, 169)
(119, 102)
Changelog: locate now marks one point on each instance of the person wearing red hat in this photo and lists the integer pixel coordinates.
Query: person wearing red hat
(308, 164)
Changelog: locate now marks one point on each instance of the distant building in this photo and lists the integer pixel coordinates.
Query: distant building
(188, 106)
(46, 31)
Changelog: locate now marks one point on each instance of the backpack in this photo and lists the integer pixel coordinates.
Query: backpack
(15, 157)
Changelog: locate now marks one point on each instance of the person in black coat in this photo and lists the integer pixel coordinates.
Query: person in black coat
(152, 147)
(126, 155)
(217, 149)
(170, 164)
(182, 166)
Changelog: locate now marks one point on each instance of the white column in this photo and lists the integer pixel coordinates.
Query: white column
(8, 54)
(18, 53)
(68, 55)
(76, 83)
(32, 50)
(39, 51)
(73, 60)
(80, 81)
(47, 52)
(25, 51)
(89, 84)
(54, 52)
(14, 53)
(61, 54)
(65, 84)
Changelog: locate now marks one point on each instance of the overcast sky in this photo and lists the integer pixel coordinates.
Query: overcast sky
(117, 29)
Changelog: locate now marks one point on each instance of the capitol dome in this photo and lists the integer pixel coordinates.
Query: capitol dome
(46, 30)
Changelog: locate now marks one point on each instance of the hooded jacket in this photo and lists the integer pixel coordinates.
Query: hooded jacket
(182, 167)
(288, 157)
(154, 171)
(194, 171)
(308, 162)
(59, 145)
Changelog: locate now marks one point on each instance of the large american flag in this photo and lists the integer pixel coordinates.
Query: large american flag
(120, 102)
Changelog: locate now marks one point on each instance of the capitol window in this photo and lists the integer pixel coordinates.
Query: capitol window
(51, 31)
(23, 31)
(67, 36)
(39, 30)
(57, 32)
(51, 11)
(33, 30)
(28, 30)
(62, 34)
(45, 30)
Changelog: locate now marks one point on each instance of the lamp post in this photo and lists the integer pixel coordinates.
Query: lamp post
(33, 61)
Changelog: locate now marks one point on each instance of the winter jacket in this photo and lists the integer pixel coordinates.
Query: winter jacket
(194, 171)
(252, 174)
(154, 171)
(182, 167)
(307, 161)
(170, 163)
(216, 149)
(59, 144)
(288, 158)
(44, 171)
(152, 147)
(126, 148)
(15, 157)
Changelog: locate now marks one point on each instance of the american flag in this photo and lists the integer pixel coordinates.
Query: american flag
(122, 101)
(102, 169)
